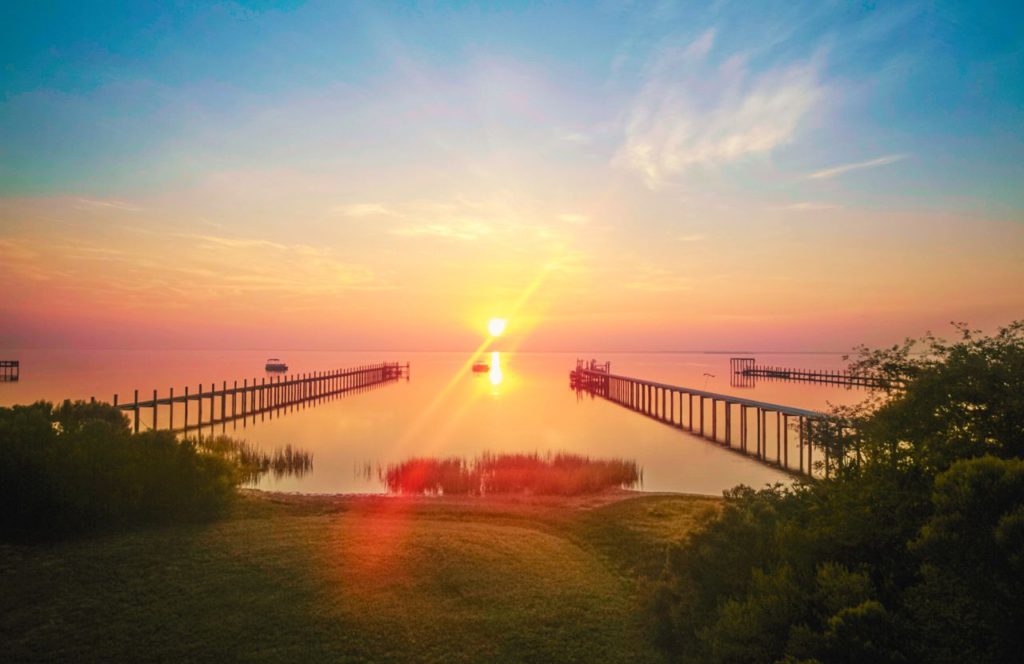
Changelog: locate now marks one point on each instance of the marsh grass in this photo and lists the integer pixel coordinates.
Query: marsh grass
(553, 474)
(253, 462)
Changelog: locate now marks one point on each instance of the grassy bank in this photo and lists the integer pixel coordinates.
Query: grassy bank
(353, 578)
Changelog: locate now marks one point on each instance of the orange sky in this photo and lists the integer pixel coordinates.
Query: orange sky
(607, 176)
(428, 274)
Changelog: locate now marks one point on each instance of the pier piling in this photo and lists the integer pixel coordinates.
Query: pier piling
(252, 398)
(792, 427)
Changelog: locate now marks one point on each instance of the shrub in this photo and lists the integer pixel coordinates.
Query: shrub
(915, 553)
(77, 467)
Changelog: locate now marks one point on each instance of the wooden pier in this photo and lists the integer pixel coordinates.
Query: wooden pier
(745, 371)
(10, 371)
(776, 435)
(219, 405)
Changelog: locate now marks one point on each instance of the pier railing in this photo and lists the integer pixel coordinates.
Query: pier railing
(10, 370)
(784, 437)
(218, 405)
(744, 370)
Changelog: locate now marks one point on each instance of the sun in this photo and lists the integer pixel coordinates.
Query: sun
(496, 326)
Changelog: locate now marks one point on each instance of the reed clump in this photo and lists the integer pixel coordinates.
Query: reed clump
(253, 463)
(553, 474)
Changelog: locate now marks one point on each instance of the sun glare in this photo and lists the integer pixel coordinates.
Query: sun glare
(496, 326)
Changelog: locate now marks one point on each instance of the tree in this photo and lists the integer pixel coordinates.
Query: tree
(913, 550)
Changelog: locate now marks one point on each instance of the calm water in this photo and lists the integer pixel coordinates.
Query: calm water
(523, 406)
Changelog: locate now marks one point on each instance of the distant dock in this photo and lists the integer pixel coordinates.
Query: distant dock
(745, 370)
(10, 371)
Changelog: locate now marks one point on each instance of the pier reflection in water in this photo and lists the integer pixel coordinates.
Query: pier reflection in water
(520, 405)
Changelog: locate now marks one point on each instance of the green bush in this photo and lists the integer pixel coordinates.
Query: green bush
(77, 467)
(913, 551)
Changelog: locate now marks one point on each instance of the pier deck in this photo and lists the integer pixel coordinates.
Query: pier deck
(219, 405)
(10, 371)
(773, 434)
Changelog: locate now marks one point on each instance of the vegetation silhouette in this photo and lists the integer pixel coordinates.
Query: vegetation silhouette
(913, 551)
(558, 474)
(77, 467)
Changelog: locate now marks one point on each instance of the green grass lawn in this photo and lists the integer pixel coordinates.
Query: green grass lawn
(352, 579)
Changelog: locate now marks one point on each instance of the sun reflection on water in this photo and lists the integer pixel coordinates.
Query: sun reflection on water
(495, 373)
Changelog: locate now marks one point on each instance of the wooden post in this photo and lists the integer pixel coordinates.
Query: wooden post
(135, 407)
(785, 441)
(171, 407)
(154, 410)
(800, 433)
(759, 415)
(728, 424)
(778, 438)
(185, 428)
(810, 453)
(744, 428)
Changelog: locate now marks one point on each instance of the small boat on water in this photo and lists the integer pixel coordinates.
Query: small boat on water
(274, 364)
(481, 367)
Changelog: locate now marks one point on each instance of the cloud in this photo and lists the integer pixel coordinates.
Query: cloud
(238, 243)
(846, 168)
(454, 230)
(656, 279)
(693, 237)
(807, 206)
(690, 113)
(701, 46)
(575, 137)
(571, 218)
(90, 204)
(362, 210)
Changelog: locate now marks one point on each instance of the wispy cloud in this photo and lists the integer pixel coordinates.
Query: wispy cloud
(572, 218)
(90, 204)
(692, 237)
(575, 137)
(238, 242)
(807, 206)
(846, 168)
(657, 279)
(690, 112)
(362, 210)
(453, 230)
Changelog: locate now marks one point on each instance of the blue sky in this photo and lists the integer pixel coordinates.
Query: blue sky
(94, 93)
(688, 144)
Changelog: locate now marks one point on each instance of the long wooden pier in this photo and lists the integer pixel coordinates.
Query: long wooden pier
(10, 371)
(747, 368)
(219, 405)
(776, 435)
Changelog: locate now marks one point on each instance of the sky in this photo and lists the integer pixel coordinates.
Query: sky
(605, 175)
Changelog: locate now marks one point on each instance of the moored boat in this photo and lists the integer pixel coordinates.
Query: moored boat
(275, 364)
